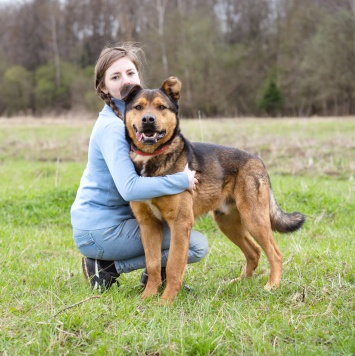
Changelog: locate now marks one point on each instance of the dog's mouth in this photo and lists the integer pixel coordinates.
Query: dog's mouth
(148, 136)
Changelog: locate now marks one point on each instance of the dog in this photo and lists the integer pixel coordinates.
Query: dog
(232, 183)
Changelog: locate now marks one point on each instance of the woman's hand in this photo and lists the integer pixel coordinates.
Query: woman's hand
(191, 174)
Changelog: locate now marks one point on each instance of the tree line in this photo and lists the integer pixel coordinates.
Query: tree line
(234, 57)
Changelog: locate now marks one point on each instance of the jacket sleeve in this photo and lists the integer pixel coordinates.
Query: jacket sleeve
(131, 186)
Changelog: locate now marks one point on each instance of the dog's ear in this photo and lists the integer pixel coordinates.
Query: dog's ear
(129, 91)
(172, 87)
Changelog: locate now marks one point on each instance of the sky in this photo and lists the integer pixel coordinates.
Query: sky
(12, 1)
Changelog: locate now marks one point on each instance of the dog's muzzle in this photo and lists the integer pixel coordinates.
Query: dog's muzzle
(148, 134)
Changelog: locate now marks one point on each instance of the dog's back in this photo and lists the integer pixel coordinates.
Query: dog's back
(217, 168)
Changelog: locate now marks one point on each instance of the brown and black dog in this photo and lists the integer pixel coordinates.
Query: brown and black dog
(232, 183)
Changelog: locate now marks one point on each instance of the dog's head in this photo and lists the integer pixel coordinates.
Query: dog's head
(152, 115)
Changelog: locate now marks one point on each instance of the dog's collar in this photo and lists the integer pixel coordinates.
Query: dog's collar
(141, 153)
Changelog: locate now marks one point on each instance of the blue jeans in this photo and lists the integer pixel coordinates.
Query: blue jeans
(123, 245)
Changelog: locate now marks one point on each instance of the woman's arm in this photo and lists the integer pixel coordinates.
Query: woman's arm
(130, 185)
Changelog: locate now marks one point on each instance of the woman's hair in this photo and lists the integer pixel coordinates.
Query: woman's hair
(109, 55)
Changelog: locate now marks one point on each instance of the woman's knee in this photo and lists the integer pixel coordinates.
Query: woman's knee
(198, 245)
(87, 245)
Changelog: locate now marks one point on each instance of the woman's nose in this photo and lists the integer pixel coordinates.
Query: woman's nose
(126, 80)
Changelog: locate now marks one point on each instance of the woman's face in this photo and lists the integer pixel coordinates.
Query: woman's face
(121, 72)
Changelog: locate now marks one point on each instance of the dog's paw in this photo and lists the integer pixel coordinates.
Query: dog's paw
(165, 302)
(271, 287)
(149, 292)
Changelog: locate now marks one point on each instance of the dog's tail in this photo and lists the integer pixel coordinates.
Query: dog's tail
(281, 221)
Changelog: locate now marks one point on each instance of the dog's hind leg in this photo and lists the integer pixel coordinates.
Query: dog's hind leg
(230, 224)
(263, 236)
(253, 206)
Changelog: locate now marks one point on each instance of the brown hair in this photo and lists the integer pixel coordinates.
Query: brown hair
(109, 55)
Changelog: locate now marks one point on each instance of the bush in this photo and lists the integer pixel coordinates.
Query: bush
(83, 91)
(53, 86)
(16, 89)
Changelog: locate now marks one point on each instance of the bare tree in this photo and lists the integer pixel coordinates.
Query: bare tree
(53, 15)
(227, 52)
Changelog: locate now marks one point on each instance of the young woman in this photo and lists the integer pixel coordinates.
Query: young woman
(105, 230)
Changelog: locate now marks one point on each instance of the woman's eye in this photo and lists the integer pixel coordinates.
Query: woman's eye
(138, 107)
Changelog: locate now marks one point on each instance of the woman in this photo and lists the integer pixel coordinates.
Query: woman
(105, 230)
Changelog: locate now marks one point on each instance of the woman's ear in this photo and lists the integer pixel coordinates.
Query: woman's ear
(104, 90)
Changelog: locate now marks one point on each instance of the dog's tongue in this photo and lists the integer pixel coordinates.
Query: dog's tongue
(139, 136)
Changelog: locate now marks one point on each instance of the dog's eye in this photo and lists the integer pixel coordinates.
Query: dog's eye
(138, 107)
(161, 107)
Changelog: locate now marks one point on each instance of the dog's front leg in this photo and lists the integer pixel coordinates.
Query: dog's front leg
(152, 237)
(180, 228)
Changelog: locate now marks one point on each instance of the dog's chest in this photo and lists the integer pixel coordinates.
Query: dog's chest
(146, 167)
(155, 211)
(141, 163)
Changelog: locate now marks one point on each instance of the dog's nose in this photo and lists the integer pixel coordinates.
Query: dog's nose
(148, 119)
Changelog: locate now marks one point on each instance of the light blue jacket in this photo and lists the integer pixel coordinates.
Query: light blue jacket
(110, 181)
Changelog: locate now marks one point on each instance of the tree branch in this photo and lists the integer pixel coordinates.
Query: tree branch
(75, 304)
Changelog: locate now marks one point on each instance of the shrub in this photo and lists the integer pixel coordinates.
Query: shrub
(53, 86)
(16, 89)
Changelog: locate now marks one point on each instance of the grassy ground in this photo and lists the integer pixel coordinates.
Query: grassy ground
(312, 166)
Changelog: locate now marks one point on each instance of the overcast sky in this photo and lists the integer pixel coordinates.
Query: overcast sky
(12, 1)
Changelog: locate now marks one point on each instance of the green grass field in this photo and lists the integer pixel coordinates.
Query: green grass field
(311, 163)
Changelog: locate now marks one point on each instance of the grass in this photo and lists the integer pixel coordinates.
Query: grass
(311, 165)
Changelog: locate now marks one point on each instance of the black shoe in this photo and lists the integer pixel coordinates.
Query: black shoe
(144, 279)
(101, 274)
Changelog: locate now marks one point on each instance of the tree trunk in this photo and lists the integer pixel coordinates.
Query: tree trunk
(55, 45)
